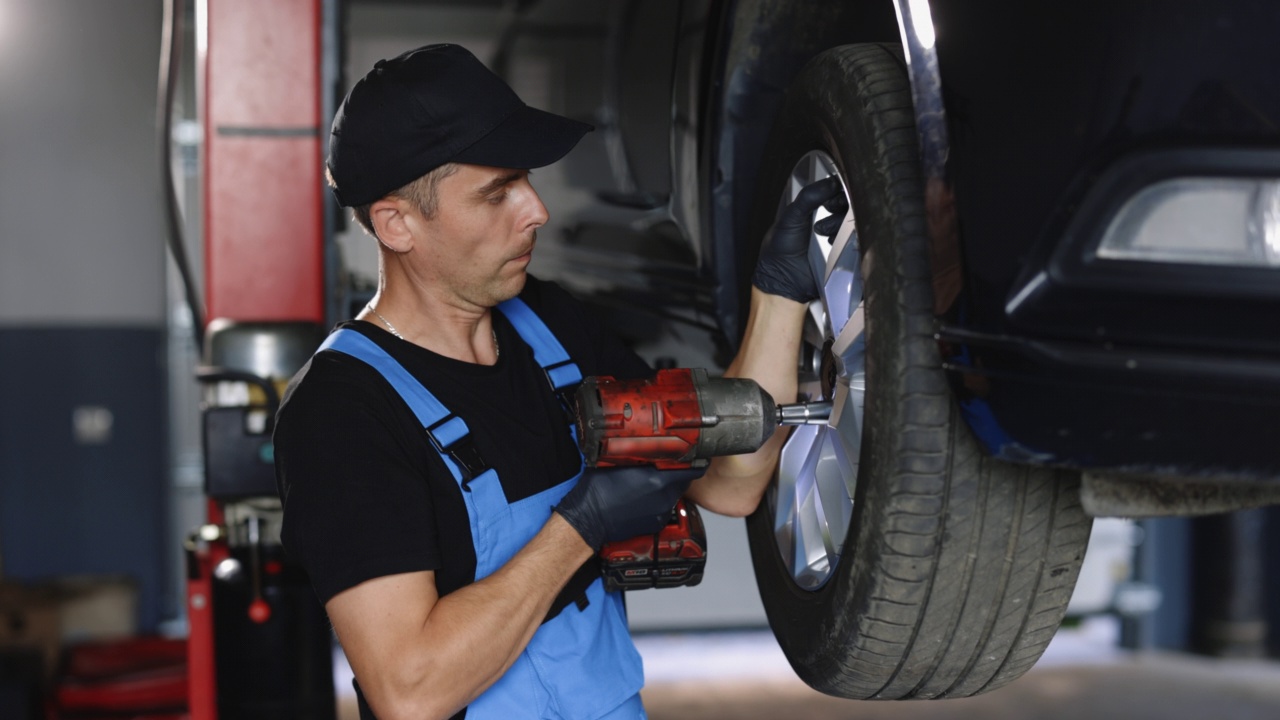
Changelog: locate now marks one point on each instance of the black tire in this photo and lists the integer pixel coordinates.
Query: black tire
(956, 569)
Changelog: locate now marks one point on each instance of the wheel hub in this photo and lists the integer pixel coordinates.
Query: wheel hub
(828, 372)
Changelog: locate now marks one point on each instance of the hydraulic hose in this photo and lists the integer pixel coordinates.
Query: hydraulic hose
(170, 58)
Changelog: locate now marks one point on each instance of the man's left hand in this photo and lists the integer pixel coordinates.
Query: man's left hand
(619, 503)
(783, 268)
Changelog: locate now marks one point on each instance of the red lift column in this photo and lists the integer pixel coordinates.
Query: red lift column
(260, 63)
(260, 88)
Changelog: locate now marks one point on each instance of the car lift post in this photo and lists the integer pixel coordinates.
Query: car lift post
(261, 83)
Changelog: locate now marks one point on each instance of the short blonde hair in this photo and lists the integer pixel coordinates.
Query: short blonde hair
(423, 193)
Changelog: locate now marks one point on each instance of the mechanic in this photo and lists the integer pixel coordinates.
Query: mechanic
(466, 586)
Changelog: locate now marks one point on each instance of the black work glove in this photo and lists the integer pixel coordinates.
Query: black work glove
(619, 503)
(783, 268)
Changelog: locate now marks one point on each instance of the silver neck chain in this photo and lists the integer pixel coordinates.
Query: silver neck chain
(497, 350)
(385, 321)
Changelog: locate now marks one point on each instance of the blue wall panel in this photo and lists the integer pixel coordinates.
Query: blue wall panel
(73, 505)
(1271, 571)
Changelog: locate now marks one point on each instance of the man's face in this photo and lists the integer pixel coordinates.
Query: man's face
(479, 242)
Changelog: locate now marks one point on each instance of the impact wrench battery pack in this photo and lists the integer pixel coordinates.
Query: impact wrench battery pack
(674, 556)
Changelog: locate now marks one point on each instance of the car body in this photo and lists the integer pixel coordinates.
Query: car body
(1047, 119)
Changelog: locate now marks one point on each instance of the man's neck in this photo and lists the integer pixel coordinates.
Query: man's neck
(452, 328)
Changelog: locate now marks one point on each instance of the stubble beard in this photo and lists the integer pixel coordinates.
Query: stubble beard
(506, 290)
(499, 289)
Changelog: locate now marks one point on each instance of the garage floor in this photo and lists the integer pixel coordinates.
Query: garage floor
(724, 676)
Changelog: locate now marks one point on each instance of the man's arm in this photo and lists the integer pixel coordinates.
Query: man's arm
(734, 484)
(418, 655)
(782, 288)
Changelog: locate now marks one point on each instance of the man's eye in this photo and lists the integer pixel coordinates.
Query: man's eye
(496, 199)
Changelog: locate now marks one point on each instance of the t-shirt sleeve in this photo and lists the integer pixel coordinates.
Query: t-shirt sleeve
(355, 508)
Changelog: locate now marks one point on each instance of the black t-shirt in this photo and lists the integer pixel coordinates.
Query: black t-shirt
(365, 495)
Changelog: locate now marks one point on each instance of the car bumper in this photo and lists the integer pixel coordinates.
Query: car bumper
(1131, 410)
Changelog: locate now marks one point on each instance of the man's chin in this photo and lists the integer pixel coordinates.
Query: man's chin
(518, 283)
(511, 287)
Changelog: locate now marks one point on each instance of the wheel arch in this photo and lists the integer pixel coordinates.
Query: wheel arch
(761, 46)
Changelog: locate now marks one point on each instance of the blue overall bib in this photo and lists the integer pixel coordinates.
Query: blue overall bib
(579, 664)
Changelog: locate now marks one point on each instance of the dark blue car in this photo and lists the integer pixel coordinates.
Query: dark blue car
(1057, 283)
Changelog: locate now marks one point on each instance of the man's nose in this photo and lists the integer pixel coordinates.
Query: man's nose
(538, 215)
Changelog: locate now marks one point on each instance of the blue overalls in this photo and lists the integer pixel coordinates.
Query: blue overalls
(579, 664)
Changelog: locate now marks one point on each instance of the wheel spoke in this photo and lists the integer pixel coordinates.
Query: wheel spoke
(850, 335)
(811, 560)
(791, 468)
(837, 295)
(848, 435)
(845, 237)
(850, 396)
(817, 169)
(832, 486)
(817, 259)
(811, 532)
(842, 290)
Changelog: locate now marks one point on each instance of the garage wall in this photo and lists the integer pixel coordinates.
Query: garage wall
(82, 272)
(79, 213)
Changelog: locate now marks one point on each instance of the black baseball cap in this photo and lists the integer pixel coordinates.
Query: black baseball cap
(430, 106)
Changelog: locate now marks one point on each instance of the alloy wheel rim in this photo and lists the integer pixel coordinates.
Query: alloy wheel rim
(811, 502)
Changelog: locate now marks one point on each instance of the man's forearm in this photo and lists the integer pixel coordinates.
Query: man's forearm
(483, 628)
(734, 484)
(473, 635)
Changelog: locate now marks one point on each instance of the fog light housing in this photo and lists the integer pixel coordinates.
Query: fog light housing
(1203, 221)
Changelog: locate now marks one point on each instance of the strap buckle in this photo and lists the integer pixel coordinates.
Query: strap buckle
(569, 377)
(461, 450)
(562, 375)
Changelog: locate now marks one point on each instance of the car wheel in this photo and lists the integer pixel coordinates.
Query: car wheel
(895, 560)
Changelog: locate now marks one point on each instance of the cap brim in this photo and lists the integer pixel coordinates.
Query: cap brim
(528, 138)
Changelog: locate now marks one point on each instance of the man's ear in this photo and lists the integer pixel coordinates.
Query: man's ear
(389, 217)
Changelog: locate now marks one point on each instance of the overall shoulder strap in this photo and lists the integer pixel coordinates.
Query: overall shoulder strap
(561, 372)
(448, 433)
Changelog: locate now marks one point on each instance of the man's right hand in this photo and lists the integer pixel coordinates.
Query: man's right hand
(619, 503)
